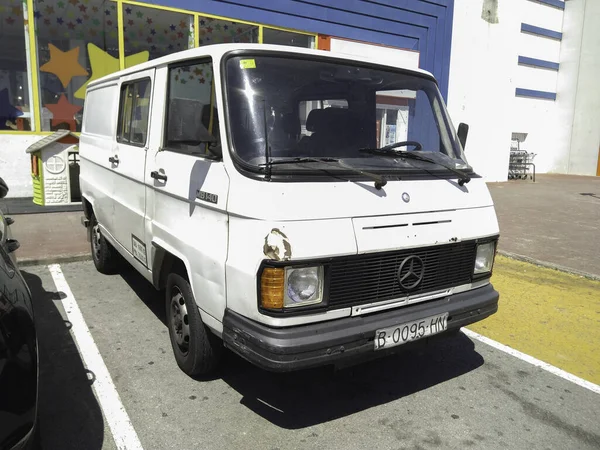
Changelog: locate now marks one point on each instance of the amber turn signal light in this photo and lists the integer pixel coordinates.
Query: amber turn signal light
(272, 282)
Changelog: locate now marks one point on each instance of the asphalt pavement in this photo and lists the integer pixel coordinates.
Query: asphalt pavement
(458, 393)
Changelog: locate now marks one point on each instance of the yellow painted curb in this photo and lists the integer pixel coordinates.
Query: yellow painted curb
(550, 315)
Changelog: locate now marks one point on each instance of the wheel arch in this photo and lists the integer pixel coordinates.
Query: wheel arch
(88, 208)
(165, 261)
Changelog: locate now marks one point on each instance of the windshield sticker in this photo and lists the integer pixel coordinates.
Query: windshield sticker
(247, 64)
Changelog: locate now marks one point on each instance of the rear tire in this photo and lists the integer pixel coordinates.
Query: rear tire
(105, 257)
(197, 350)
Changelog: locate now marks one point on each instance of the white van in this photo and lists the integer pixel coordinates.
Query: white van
(298, 207)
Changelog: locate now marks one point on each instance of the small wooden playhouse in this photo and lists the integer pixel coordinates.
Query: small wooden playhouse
(55, 169)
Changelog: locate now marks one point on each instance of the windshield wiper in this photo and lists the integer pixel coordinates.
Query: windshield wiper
(389, 150)
(300, 161)
(379, 180)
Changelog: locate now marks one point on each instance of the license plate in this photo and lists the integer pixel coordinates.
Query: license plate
(410, 331)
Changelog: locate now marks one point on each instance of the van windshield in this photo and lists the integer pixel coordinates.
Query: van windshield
(284, 108)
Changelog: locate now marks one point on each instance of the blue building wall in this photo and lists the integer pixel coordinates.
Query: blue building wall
(422, 25)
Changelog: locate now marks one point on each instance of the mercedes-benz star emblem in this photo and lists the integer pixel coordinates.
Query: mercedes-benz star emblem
(406, 197)
(411, 272)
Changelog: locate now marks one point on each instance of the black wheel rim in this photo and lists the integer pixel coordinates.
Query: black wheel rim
(179, 323)
(96, 244)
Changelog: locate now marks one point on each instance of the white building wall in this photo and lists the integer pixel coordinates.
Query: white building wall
(567, 81)
(485, 73)
(15, 164)
(481, 88)
(585, 138)
(536, 78)
(538, 118)
(535, 116)
(540, 15)
(544, 48)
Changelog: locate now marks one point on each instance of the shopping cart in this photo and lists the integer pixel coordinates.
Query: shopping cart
(520, 165)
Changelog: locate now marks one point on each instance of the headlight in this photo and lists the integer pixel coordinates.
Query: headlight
(291, 287)
(484, 260)
(303, 286)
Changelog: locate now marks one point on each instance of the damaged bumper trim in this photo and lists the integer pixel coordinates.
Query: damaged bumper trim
(348, 339)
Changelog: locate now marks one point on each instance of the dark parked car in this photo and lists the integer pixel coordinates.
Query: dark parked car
(18, 348)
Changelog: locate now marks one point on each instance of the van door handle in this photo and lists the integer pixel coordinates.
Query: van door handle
(114, 160)
(158, 176)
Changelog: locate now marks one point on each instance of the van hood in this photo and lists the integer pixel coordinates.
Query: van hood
(281, 201)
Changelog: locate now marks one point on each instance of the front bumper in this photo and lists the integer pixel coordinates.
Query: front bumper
(347, 340)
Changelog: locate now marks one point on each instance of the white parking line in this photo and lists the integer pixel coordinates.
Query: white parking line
(120, 425)
(536, 362)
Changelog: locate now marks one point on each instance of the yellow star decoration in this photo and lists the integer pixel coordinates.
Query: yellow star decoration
(64, 65)
(103, 64)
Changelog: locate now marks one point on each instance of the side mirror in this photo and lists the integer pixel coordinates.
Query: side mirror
(12, 245)
(463, 131)
(3, 188)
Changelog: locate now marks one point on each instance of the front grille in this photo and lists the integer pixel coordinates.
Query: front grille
(362, 279)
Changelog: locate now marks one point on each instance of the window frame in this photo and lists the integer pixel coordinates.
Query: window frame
(118, 132)
(213, 96)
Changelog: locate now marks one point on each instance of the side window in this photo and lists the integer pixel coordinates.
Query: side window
(192, 120)
(134, 108)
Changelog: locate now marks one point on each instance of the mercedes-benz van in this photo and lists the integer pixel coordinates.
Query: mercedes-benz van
(298, 207)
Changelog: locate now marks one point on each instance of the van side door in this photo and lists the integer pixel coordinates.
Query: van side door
(188, 184)
(96, 148)
(129, 162)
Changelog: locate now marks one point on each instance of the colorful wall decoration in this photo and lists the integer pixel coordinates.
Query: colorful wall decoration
(77, 41)
(14, 93)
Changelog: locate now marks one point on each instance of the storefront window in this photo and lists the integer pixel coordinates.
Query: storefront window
(214, 31)
(155, 32)
(15, 107)
(77, 43)
(279, 37)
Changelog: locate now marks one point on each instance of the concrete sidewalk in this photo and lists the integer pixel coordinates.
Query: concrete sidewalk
(555, 221)
(50, 238)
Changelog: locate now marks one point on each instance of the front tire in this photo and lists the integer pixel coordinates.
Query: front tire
(104, 255)
(197, 350)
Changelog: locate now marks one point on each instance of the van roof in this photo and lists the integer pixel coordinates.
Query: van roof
(216, 51)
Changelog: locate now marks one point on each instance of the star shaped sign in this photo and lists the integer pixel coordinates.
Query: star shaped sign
(64, 65)
(63, 111)
(103, 64)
